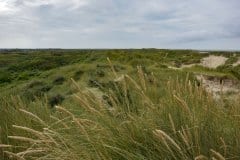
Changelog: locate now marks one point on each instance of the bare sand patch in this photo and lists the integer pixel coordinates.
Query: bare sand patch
(182, 66)
(237, 63)
(175, 68)
(219, 85)
(213, 61)
(188, 65)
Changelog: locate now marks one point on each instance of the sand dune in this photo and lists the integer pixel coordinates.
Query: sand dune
(213, 61)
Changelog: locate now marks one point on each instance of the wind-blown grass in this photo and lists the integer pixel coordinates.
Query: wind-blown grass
(135, 121)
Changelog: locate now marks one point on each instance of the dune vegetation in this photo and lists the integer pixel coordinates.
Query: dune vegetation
(116, 104)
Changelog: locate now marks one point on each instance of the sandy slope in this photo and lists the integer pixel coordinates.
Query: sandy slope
(209, 62)
(214, 84)
(217, 85)
(213, 61)
(237, 63)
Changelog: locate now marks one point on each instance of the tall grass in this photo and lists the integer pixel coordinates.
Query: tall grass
(135, 121)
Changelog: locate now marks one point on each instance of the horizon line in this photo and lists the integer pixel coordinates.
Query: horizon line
(43, 48)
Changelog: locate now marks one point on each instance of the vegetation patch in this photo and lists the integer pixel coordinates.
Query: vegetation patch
(100, 73)
(35, 89)
(5, 77)
(59, 80)
(134, 106)
(55, 100)
(136, 122)
(78, 74)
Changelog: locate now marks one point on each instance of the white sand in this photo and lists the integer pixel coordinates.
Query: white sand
(209, 62)
(188, 65)
(213, 61)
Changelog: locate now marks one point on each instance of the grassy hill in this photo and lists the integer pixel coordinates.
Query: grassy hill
(115, 104)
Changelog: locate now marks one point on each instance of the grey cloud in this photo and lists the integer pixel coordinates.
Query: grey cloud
(114, 23)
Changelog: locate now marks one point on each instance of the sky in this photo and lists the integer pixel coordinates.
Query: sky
(182, 24)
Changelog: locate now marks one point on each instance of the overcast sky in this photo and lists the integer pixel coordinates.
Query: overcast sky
(192, 24)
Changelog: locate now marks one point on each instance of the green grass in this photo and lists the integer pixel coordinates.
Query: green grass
(153, 113)
(140, 121)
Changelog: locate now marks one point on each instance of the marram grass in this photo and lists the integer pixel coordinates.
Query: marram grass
(135, 122)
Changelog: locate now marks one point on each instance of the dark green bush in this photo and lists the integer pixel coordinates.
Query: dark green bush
(55, 100)
(236, 72)
(27, 75)
(100, 73)
(138, 62)
(59, 80)
(102, 66)
(34, 83)
(5, 77)
(177, 64)
(78, 74)
(35, 89)
(118, 68)
(162, 65)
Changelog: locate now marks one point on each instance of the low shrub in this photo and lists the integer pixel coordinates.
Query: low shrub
(26, 75)
(55, 100)
(100, 73)
(236, 72)
(35, 89)
(78, 74)
(34, 83)
(102, 66)
(137, 62)
(5, 77)
(162, 65)
(118, 68)
(59, 80)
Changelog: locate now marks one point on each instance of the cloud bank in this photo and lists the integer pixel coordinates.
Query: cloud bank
(196, 24)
